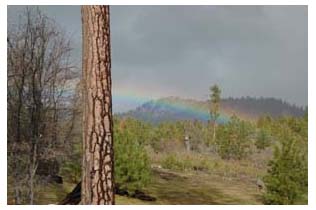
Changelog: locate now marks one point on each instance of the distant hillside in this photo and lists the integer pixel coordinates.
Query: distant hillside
(174, 108)
(248, 107)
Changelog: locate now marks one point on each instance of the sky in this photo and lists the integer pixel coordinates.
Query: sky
(161, 51)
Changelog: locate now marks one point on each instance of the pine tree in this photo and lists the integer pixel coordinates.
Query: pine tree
(215, 98)
(98, 157)
(132, 164)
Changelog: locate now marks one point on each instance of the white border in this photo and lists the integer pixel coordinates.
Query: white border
(311, 88)
(3, 104)
(159, 2)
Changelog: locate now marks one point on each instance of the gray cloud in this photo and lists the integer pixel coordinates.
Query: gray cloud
(252, 50)
(182, 50)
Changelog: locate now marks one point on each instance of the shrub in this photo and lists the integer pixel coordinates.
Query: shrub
(186, 162)
(132, 166)
(286, 181)
(175, 163)
(72, 169)
(233, 139)
(263, 139)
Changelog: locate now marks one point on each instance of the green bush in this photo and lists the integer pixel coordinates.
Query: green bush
(186, 162)
(175, 163)
(71, 167)
(234, 139)
(72, 170)
(132, 165)
(287, 178)
(263, 139)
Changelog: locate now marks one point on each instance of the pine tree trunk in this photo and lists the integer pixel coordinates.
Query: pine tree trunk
(214, 131)
(98, 156)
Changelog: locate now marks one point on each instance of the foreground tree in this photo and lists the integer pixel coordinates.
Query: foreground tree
(287, 178)
(132, 164)
(98, 164)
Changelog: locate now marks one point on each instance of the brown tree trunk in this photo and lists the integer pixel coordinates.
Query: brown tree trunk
(214, 131)
(98, 164)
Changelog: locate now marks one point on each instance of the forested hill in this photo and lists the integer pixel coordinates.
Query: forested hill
(175, 108)
(256, 107)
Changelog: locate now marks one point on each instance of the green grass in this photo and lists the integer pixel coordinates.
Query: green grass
(200, 188)
(170, 187)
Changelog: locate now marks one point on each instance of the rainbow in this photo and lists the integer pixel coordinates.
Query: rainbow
(126, 101)
(130, 100)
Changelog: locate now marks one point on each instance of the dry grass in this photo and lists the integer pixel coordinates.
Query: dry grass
(188, 178)
(198, 188)
(243, 169)
(170, 187)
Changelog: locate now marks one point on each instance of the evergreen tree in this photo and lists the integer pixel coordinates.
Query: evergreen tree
(132, 166)
(263, 139)
(215, 98)
(287, 181)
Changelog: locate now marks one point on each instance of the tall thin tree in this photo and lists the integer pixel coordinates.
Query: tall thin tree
(98, 157)
(215, 98)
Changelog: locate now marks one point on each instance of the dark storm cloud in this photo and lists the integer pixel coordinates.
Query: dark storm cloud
(248, 50)
(182, 50)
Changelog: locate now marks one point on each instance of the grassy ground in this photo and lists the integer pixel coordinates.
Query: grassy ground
(200, 188)
(170, 187)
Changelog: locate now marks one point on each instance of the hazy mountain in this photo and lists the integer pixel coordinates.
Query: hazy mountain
(174, 108)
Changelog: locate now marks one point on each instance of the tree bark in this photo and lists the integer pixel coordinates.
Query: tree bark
(214, 131)
(98, 155)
